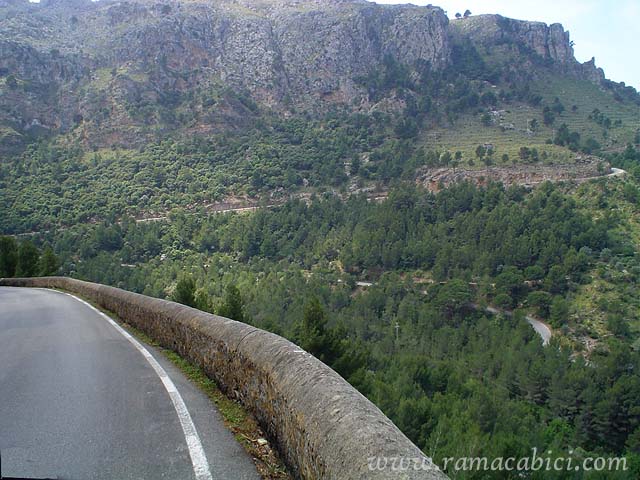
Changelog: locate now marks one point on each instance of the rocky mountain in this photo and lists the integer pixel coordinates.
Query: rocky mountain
(123, 72)
(551, 43)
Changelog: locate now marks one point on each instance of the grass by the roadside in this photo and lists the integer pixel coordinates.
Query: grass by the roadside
(244, 427)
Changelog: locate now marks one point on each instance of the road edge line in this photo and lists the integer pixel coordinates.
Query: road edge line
(198, 457)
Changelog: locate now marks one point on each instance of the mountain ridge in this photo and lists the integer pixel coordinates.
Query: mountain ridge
(108, 72)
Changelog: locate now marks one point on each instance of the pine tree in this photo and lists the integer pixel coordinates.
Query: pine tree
(49, 263)
(28, 258)
(453, 297)
(8, 256)
(559, 311)
(233, 306)
(313, 337)
(185, 292)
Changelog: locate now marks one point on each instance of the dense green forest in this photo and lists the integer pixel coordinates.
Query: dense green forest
(390, 294)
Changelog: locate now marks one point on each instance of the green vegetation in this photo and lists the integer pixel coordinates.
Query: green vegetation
(281, 156)
(8, 257)
(613, 291)
(232, 306)
(48, 263)
(185, 292)
(509, 106)
(23, 259)
(455, 380)
(583, 100)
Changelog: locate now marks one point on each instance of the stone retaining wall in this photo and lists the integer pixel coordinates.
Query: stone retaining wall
(584, 169)
(324, 428)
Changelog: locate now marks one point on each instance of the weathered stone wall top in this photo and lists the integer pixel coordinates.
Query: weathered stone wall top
(324, 428)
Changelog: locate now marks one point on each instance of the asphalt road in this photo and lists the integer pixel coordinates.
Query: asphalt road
(80, 401)
(541, 328)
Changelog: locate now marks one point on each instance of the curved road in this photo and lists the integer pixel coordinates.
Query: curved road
(540, 327)
(79, 400)
(617, 172)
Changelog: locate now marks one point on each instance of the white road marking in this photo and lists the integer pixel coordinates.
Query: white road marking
(196, 451)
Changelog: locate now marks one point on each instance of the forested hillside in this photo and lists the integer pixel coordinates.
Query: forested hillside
(385, 293)
(92, 129)
(397, 192)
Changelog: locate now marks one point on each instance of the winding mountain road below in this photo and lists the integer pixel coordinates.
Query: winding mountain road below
(541, 329)
(81, 399)
(617, 172)
(539, 326)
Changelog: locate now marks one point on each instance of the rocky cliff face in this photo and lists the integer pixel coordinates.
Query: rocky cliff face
(117, 58)
(124, 71)
(324, 53)
(548, 43)
(294, 47)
